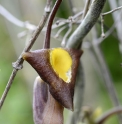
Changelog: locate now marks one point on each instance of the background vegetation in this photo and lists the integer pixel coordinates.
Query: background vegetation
(17, 108)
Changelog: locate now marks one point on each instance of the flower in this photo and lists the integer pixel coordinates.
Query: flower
(58, 68)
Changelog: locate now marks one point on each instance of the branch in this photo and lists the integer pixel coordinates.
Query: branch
(90, 19)
(109, 12)
(59, 31)
(102, 19)
(108, 114)
(86, 8)
(18, 64)
(66, 35)
(107, 34)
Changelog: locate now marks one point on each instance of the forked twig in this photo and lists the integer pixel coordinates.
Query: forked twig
(102, 19)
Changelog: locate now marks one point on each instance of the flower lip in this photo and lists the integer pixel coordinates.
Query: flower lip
(61, 63)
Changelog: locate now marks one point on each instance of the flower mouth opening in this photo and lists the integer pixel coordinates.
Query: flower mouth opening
(61, 63)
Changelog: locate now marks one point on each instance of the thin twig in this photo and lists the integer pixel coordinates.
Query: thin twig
(62, 22)
(59, 31)
(86, 8)
(63, 43)
(98, 41)
(102, 27)
(109, 12)
(77, 15)
(108, 33)
(102, 19)
(18, 64)
(55, 25)
(108, 114)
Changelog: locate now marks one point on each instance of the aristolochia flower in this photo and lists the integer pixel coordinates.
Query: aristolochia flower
(58, 68)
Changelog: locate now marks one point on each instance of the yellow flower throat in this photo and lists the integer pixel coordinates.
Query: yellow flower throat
(61, 62)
